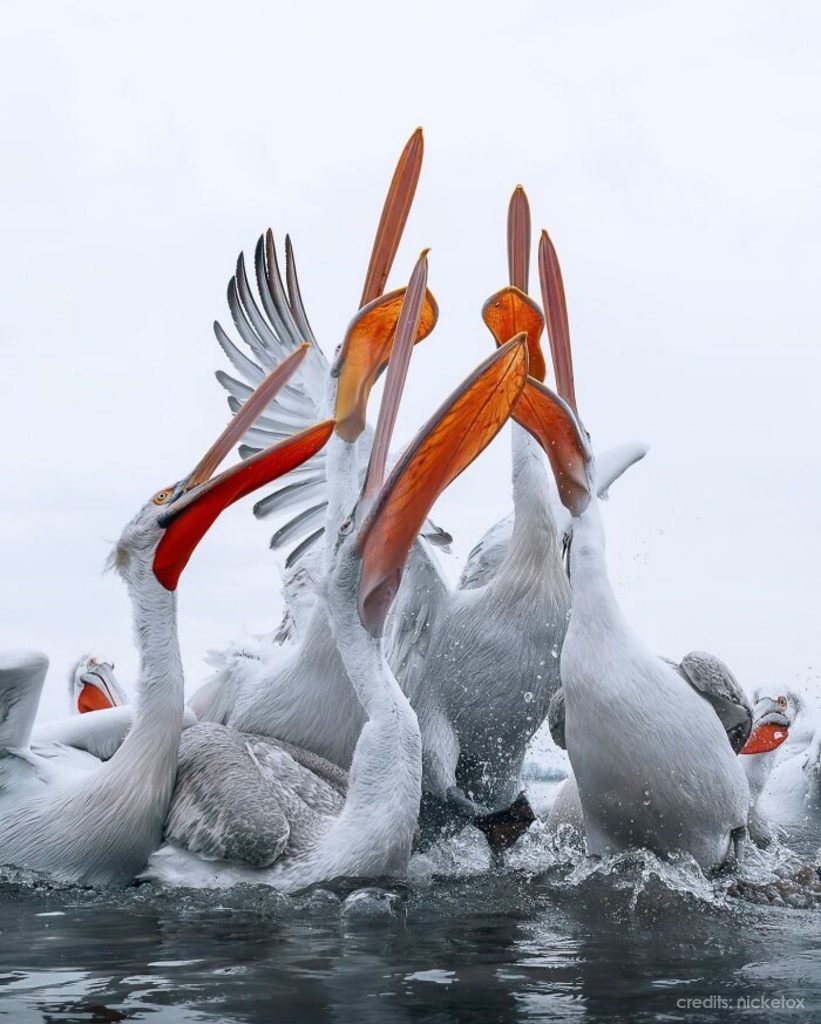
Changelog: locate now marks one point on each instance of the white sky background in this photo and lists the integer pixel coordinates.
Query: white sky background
(673, 152)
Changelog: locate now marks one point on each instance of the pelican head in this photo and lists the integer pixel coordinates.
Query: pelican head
(163, 535)
(374, 540)
(772, 719)
(93, 686)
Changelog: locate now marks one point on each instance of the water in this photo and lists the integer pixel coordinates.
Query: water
(548, 935)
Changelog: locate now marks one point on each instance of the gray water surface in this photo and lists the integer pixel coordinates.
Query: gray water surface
(544, 937)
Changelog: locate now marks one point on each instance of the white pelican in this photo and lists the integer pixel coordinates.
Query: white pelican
(770, 726)
(772, 720)
(294, 687)
(72, 816)
(481, 663)
(650, 757)
(791, 789)
(282, 815)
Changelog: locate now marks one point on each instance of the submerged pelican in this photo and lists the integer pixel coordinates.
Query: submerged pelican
(284, 816)
(96, 823)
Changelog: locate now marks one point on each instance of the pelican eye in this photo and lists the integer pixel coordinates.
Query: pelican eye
(161, 497)
(782, 702)
(346, 527)
(92, 662)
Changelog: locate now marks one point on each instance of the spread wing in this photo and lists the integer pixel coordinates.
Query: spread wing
(271, 323)
(249, 799)
(22, 674)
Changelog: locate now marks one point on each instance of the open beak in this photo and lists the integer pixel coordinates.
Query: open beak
(558, 327)
(370, 337)
(97, 693)
(365, 353)
(200, 499)
(190, 517)
(453, 437)
(511, 311)
(394, 216)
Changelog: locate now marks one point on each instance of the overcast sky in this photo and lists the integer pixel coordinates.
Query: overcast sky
(672, 150)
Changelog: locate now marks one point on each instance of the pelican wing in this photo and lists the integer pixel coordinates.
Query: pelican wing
(417, 605)
(485, 558)
(22, 674)
(271, 322)
(99, 733)
(710, 677)
(249, 799)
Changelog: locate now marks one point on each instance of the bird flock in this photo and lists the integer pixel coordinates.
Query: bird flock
(391, 707)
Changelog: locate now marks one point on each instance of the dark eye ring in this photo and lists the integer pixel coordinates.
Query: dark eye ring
(346, 527)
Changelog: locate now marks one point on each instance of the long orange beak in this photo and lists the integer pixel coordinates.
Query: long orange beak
(200, 499)
(188, 520)
(394, 216)
(765, 738)
(461, 429)
(511, 311)
(558, 327)
(555, 426)
(365, 353)
(369, 339)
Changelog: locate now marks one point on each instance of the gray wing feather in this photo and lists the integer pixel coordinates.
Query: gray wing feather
(484, 560)
(292, 494)
(556, 719)
(302, 547)
(299, 525)
(22, 674)
(294, 293)
(241, 363)
(246, 798)
(708, 675)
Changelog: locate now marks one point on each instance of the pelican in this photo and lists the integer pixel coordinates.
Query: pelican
(481, 663)
(771, 719)
(294, 686)
(75, 818)
(468, 717)
(282, 815)
(92, 686)
(791, 789)
(650, 756)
